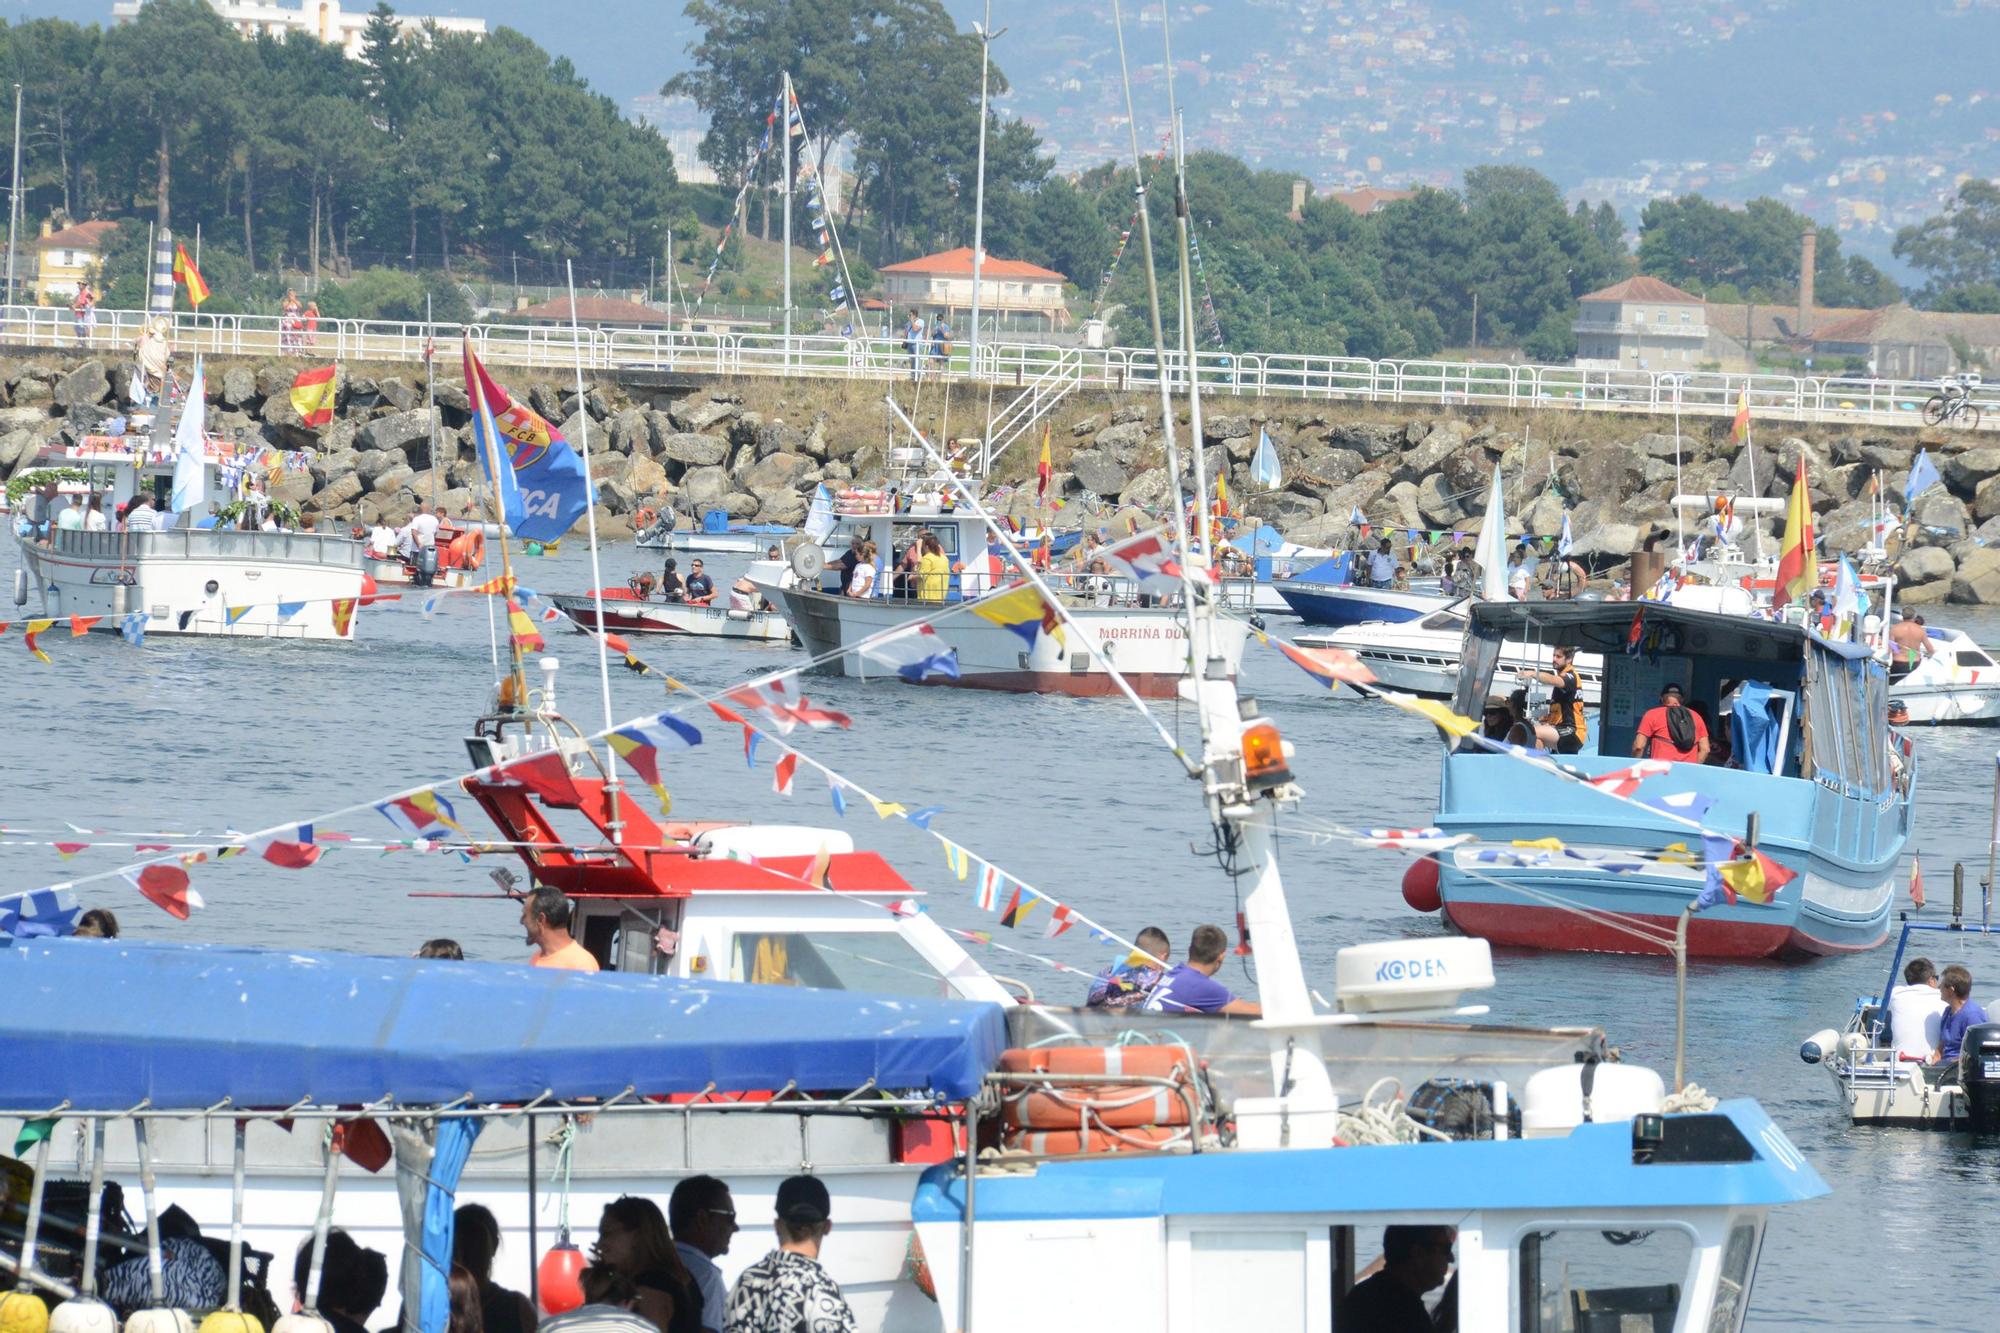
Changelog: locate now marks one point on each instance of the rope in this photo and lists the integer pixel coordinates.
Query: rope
(1373, 1123)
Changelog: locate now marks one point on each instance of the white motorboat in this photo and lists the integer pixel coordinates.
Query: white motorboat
(1423, 658)
(1958, 681)
(627, 611)
(188, 579)
(1879, 1086)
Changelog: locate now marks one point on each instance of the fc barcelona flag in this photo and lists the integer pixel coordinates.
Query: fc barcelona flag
(540, 478)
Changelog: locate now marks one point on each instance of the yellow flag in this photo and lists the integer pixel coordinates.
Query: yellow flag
(1454, 723)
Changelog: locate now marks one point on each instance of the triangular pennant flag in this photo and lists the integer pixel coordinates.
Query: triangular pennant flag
(922, 818)
(1017, 910)
(837, 790)
(166, 887)
(80, 625)
(883, 809)
(286, 610)
(232, 614)
(750, 739)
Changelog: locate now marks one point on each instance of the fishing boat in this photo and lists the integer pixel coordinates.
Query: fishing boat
(1878, 1085)
(215, 580)
(1816, 782)
(1114, 624)
(628, 610)
(1957, 681)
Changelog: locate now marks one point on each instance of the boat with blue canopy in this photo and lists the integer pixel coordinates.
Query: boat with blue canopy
(1804, 769)
(1329, 594)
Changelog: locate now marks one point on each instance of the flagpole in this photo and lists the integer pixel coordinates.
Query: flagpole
(430, 395)
(785, 133)
(612, 784)
(517, 672)
(1750, 442)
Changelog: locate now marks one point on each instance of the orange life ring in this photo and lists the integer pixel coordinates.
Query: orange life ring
(468, 549)
(1110, 1106)
(644, 519)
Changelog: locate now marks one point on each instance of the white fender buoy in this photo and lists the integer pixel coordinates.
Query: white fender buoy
(84, 1314)
(1819, 1046)
(159, 1319)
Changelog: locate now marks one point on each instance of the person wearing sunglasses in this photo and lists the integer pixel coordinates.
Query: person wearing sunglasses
(703, 1217)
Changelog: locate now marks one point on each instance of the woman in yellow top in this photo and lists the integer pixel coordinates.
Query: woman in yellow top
(933, 571)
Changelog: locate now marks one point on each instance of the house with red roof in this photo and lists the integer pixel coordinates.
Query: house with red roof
(65, 257)
(942, 284)
(1641, 323)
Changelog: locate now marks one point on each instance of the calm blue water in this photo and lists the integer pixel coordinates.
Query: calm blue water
(1074, 796)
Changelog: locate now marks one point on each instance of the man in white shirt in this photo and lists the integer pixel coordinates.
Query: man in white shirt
(1916, 1008)
(703, 1217)
(424, 527)
(381, 540)
(1382, 566)
(142, 517)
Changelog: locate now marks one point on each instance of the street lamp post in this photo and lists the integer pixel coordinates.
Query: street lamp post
(986, 39)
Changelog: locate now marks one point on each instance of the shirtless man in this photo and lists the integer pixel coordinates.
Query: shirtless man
(1910, 642)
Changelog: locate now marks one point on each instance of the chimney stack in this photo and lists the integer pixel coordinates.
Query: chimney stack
(1808, 260)
(1299, 191)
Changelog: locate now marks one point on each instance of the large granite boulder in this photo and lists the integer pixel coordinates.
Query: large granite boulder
(1977, 579)
(372, 463)
(406, 432)
(704, 487)
(692, 415)
(1098, 473)
(85, 386)
(691, 450)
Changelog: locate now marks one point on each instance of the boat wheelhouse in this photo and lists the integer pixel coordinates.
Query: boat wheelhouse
(1815, 780)
(1145, 639)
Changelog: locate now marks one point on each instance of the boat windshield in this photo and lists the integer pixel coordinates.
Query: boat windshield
(1572, 1277)
(1446, 620)
(881, 961)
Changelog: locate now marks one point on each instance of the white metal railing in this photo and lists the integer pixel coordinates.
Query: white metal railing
(1047, 367)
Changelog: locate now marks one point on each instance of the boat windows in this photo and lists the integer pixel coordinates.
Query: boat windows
(1972, 657)
(1445, 620)
(1732, 1285)
(881, 961)
(1580, 1278)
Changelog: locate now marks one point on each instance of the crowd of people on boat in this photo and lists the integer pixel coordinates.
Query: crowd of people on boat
(649, 1271)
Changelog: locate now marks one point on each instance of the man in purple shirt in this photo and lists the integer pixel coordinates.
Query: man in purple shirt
(1961, 1013)
(1192, 988)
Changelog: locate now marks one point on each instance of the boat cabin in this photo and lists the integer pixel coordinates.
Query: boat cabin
(770, 905)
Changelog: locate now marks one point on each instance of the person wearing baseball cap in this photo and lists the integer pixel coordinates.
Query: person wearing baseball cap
(1673, 731)
(787, 1291)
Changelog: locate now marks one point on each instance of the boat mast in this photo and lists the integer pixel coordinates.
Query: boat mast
(485, 427)
(430, 394)
(611, 783)
(1244, 810)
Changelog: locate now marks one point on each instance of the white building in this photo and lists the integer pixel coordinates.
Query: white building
(324, 19)
(1640, 324)
(942, 283)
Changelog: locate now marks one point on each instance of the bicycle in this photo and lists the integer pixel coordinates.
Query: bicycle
(1953, 403)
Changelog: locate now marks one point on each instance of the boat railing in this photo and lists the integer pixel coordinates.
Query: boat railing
(303, 548)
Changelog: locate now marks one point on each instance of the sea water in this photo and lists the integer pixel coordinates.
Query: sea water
(1077, 797)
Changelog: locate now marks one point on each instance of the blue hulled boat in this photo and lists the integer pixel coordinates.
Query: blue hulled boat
(1814, 778)
(1327, 594)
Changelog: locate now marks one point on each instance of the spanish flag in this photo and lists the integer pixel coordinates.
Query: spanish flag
(1044, 469)
(1797, 573)
(312, 395)
(521, 629)
(185, 271)
(1741, 426)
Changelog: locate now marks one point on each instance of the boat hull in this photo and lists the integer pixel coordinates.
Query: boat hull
(1963, 705)
(1337, 604)
(625, 614)
(1148, 646)
(715, 543)
(1593, 895)
(194, 581)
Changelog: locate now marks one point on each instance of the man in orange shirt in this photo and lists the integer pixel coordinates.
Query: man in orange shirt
(1672, 731)
(545, 915)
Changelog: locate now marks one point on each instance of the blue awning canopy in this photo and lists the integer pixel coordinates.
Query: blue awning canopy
(107, 1024)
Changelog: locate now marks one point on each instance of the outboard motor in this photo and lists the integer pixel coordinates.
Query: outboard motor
(1979, 1076)
(426, 563)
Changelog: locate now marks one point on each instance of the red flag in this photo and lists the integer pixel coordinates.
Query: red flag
(343, 615)
(166, 887)
(1916, 881)
(1797, 572)
(781, 775)
(80, 625)
(547, 776)
(291, 848)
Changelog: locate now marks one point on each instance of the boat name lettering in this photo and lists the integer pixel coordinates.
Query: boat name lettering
(1410, 969)
(1142, 632)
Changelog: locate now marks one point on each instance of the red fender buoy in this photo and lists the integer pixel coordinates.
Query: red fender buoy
(368, 590)
(1420, 886)
(559, 1278)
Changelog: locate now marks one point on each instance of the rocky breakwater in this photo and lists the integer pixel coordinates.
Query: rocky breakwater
(659, 450)
(1615, 478)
